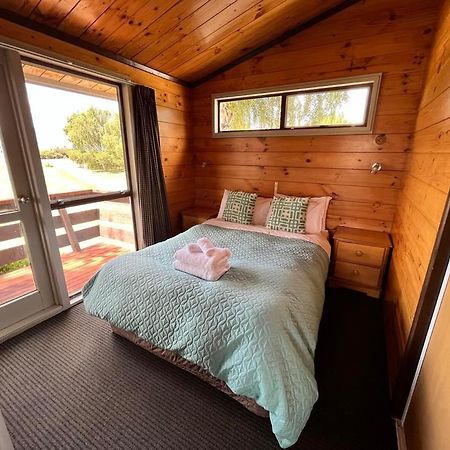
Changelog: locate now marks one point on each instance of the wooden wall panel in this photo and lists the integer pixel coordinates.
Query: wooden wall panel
(426, 424)
(386, 36)
(425, 186)
(173, 104)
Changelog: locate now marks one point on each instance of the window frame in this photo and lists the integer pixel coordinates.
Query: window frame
(373, 81)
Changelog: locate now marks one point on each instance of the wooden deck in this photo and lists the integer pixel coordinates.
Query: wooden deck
(78, 268)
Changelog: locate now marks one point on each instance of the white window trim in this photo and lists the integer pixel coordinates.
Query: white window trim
(374, 79)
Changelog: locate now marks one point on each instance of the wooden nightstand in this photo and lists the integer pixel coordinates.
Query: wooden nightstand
(359, 260)
(196, 215)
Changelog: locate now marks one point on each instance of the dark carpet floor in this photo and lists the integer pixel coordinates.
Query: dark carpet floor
(69, 383)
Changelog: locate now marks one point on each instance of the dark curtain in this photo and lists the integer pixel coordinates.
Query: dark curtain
(150, 178)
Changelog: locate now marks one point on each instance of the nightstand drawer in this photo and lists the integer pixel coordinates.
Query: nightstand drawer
(362, 275)
(360, 254)
(359, 260)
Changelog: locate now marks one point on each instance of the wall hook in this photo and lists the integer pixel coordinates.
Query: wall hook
(376, 167)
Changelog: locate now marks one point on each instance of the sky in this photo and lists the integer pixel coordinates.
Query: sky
(51, 107)
(354, 109)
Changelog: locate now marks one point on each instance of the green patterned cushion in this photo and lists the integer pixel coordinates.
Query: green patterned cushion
(288, 214)
(240, 207)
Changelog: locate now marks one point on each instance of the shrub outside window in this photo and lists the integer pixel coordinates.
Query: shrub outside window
(343, 106)
(258, 113)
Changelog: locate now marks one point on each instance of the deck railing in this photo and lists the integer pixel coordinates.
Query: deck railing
(74, 226)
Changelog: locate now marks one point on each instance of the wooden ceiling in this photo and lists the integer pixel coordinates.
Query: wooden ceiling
(54, 78)
(187, 39)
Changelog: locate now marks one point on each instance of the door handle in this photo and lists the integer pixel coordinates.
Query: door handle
(24, 199)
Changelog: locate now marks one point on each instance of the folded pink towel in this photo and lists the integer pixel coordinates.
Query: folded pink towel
(199, 258)
(203, 260)
(208, 248)
(205, 244)
(193, 248)
(202, 247)
(210, 273)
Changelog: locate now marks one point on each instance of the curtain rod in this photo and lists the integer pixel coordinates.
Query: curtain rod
(48, 56)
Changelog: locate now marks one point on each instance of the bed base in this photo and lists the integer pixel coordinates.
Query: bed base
(190, 367)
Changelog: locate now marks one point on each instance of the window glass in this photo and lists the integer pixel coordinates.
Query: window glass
(16, 275)
(340, 106)
(261, 113)
(90, 235)
(335, 107)
(7, 200)
(78, 129)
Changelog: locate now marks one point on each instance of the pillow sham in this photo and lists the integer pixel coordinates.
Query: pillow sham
(262, 208)
(239, 207)
(316, 216)
(288, 214)
(223, 203)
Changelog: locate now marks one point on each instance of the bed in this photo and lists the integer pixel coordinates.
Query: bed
(251, 334)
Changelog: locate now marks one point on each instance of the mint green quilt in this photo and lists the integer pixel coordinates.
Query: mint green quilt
(256, 328)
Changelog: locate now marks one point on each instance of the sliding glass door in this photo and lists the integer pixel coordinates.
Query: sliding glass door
(65, 198)
(25, 283)
(79, 131)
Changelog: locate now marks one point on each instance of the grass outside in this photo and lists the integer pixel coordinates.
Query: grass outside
(15, 265)
(63, 175)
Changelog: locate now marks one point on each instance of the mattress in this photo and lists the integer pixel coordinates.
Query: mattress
(177, 360)
(255, 329)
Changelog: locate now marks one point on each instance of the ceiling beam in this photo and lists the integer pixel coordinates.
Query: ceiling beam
(278, 40)
(57, 34)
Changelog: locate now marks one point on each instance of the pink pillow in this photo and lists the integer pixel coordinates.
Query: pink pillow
(223, 203)
(316, 215)
(261, 210)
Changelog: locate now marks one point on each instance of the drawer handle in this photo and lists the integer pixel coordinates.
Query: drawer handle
(355, 272)
(358, 253)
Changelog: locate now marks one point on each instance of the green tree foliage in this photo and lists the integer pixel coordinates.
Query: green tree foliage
(15, 265)
(85, 129)
(96, 138)
(251, 114)
(112, 137)
(315, 109)
(54, 153)
(303, 110)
